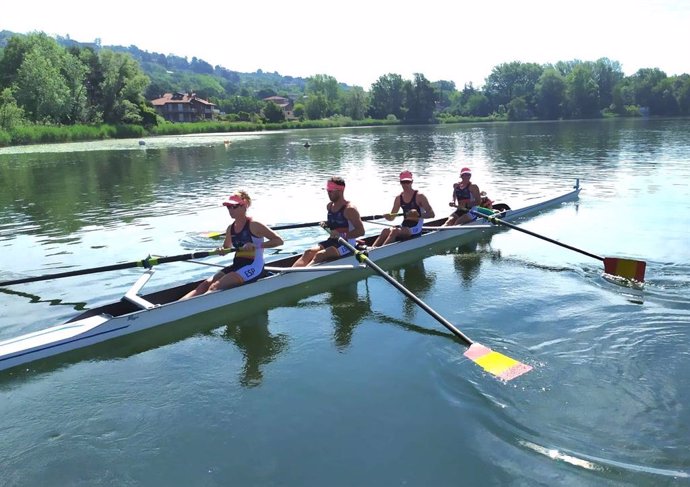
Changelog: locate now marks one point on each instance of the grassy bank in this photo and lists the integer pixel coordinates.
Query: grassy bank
(51, 134)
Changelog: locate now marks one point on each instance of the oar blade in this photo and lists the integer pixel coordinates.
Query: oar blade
(502, 366)
(627, 268)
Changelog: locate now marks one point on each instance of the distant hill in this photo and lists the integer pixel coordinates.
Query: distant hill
(171, 72)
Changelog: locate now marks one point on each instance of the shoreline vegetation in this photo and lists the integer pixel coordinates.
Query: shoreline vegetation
(60, 90)
(55, 134)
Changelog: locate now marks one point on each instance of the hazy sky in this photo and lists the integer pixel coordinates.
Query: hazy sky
(358, 41)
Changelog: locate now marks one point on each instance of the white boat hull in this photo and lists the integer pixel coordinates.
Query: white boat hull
(99, 325)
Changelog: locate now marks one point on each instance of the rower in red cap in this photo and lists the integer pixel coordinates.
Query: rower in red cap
(415, 208)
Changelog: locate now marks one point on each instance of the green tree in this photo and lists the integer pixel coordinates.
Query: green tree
(237, 104)
(326, 86)
(123, 81)
(512, 80)
(446, 91)
(75, 73)
(93, 82)
(518, 110)
(550, 94)
(11, 115)
(40, 89)
(316, 106)
(477, 105)
(354, 103)
(460, 100)
(643, 82)
(582, 92)
(420, 99)
(664, 101)
(299, 110)
(388, 96)
(624, 97)
(273, 113)
(607, 74)
(13, 57)
(682, 90)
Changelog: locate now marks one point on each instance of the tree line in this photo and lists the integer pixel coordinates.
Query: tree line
(47, 82)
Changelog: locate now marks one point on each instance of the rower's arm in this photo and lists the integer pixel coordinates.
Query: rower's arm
(453, 199)
(476, 194)
(227, 242)
(352, 215)
(394, 212)
(272, 238)
(427, 210)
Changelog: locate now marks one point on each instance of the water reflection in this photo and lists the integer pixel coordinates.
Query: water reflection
(59, 193)
(415, 278)
(467, 258)
(348, 308)
(257, 344)
(415, 144)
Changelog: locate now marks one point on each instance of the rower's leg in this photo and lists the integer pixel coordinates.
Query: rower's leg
(306, 257)
(203, 286)
(466, 218)
(381, 239)
(231, 279)
(397, 233)
(452, 219)
(324, 255)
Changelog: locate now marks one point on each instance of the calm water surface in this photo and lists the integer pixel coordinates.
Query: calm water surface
(348, 382)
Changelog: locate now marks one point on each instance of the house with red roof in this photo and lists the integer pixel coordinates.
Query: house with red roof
(183, 107)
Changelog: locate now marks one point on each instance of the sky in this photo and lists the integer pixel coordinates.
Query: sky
(357, 41)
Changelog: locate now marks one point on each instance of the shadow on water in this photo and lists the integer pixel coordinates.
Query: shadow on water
(257, 344)
(33, 299)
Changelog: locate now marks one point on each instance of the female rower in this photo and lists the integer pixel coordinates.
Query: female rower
(246, 237)
(466, 197)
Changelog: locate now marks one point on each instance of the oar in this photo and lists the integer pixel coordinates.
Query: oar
(615, 266)
(495, 363)
(146, 263)
(302, 225)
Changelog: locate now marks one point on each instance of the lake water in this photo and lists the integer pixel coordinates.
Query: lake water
(349, 383)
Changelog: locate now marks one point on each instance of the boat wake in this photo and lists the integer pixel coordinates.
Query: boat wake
(599, 464)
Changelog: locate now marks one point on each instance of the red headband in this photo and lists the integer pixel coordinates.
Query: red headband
(331, 186)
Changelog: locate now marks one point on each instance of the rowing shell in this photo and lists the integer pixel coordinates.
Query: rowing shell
(135, 313)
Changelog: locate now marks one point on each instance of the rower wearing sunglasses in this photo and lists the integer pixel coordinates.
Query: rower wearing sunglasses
(343, 220)
(248, 238)
(415, 208)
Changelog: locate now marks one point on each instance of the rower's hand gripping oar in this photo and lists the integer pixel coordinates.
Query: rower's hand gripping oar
(147, 263)
(616, 266)
(304, 225)
(495, 363)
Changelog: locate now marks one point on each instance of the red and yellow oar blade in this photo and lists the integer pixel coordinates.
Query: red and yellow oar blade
(503, 367)
(627, 268)
(214, 234)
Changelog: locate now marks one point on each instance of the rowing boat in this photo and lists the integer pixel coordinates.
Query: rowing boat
(136, 312)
